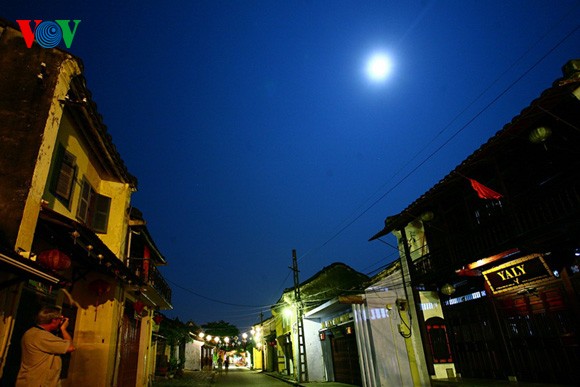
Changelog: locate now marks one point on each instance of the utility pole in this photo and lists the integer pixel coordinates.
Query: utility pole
(302, 365)
(262, 340)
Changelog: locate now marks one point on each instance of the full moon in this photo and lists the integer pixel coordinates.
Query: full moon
(379, 67)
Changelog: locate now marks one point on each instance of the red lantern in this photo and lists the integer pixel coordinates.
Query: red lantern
(54, 260)
(157, 319)
(99, 287)
(138, 306)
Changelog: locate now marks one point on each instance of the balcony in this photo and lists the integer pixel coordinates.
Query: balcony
(155, 288)
(532, 222)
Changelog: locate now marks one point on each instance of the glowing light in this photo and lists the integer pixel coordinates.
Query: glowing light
(379, 67)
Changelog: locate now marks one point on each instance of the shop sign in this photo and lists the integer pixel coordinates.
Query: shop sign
(521, 272)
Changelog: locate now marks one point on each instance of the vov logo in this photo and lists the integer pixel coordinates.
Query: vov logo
(48, 34)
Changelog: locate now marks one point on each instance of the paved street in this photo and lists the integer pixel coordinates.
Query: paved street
(236, 376)
(241, 377)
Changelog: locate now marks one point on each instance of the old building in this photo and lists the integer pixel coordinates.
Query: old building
(65, 222)
(340, 361)
(498, 240)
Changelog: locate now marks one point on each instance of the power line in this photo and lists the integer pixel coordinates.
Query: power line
(469, 122)
(405, 177)
(215, 300)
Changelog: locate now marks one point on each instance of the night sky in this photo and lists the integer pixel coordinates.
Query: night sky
(253, 128)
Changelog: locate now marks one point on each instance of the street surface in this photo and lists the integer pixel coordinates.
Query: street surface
(240, 377)
(236, 376)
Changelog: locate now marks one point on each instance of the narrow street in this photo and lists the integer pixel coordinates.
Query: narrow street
(240, 377)
(236, 376)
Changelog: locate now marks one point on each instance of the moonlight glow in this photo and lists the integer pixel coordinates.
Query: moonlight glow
(379, 67)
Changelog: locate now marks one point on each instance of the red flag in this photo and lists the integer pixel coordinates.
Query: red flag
(483, 191)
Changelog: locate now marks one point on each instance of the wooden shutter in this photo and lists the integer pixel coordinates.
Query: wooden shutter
(101, 213)
(84, 202)
(64, 174)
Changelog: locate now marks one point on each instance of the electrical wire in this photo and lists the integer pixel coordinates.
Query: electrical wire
(214, 299)
(455, 134)
(412, 171)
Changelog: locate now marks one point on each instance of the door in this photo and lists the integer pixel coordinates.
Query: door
(129, 348)
(30, 304)
(345, 359)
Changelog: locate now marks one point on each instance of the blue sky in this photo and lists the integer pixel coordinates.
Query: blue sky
(253, 129)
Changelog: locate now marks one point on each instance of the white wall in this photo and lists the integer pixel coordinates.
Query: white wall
(313, 351)
(193, 355)
(382, 350)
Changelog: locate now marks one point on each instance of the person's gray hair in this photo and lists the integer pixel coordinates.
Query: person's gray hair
(47, 314)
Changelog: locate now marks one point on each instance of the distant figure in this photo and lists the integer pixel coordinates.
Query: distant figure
(227, 363)
(41, 350)
(220, 362)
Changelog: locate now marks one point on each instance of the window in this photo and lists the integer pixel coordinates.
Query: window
(64, 174)
(93, 208)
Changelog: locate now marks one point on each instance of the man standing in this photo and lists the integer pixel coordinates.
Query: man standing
(41, 350)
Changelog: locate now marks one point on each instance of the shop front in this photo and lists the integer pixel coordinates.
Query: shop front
(516, 319)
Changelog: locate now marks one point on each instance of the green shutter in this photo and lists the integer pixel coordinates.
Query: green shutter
(66, 177)
(63, 175)
(84, 201)
(101, 215)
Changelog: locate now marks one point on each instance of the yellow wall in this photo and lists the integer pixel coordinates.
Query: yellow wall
(69, 69)
(120, 193)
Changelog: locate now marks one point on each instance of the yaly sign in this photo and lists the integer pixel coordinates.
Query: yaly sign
(524, 271)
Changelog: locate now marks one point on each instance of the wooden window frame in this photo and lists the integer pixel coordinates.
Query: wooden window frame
(63, 176)
(93, 209)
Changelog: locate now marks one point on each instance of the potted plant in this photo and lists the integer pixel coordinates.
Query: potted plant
(173, 367)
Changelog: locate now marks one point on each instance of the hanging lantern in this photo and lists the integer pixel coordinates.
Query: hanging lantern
(447, 289)
(138, 306)
(427, 216)
(158, 318)
(100, 288)
(540, 134)
(54, 260)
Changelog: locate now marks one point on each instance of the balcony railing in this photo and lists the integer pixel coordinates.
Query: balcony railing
(151, 277)
(527, 221)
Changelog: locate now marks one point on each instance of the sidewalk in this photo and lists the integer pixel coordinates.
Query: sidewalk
(486, 383)
(434, 383)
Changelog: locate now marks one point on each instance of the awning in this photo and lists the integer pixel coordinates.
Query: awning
(86, 248)
(25, 269)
